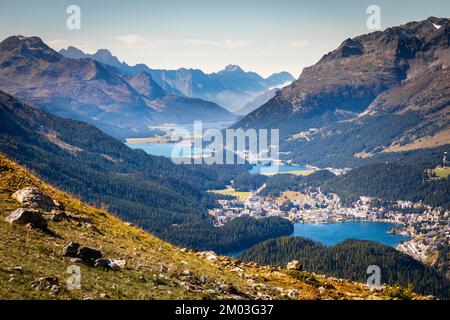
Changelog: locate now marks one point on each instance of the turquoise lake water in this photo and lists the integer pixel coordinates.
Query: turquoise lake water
(333, 233)
(164, 149)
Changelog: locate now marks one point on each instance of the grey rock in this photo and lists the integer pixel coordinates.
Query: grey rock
(294, 265)
(34, 198)
(71, 250)
(89, 255)
(110, 264)
(26, 216)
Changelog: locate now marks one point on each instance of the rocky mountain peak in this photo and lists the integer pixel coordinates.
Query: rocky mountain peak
(30, 47)
(232, 68)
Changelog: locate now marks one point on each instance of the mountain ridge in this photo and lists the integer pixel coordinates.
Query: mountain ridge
(361, 72)
(231, 87)
(85, 89)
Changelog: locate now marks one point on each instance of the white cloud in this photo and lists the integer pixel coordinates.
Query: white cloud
(299, 43)
(130, 39)
(235, 44)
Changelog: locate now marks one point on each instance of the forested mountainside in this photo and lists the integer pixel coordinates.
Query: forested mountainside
(383, 92)
(87, 90)
(350, 259)
(165, 199)
(130, 263)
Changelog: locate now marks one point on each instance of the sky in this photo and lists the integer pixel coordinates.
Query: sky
(264, 36)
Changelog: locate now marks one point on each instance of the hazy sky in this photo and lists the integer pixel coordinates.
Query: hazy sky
(262, 36)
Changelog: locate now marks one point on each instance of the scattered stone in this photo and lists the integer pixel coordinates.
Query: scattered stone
(34, 198)
(163, 269)
(18, 269)
(211, 257)
(59, 205)
(26, 216)
(71, 250)
(110, 264)
(292, 293)
(84, 254)
(187, 272)
(58, 216)
(294, 265)
(54, 289)
(237, 270)
(89, 255)
(47, 283)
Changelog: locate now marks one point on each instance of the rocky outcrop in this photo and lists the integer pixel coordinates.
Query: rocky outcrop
(92, 257)
(34, 198)
(85, 254)
(294, 265)
(25, 216)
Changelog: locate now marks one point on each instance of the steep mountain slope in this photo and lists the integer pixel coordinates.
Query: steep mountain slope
(350, 259)
(409, 117)
(257, 102)
(231, 87)
(348, 80)
(174, 107)
(84, 89)
(34, 264)
(168, 200)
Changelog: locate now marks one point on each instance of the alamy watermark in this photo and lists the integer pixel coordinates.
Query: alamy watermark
(74, 281)
(374, 280)
(73, 21)
(229, 146)
(374, 20)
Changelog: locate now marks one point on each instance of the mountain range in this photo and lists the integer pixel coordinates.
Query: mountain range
(377, 93)
(231, 87)
(87, 90)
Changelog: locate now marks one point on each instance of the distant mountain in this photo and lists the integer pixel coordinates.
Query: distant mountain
(264, 97)
(88, 90)
(231, 88)
(390, 85)
(257, 102)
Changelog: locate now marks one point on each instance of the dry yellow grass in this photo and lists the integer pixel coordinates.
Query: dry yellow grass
(229, 191)
(439, 139)
(442, 172)
(27, 255)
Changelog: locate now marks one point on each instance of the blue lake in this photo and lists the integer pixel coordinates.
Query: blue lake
(164, 149)
(331, 234)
